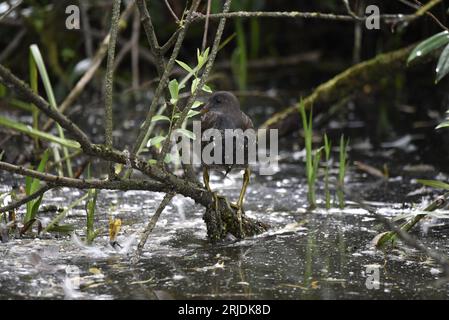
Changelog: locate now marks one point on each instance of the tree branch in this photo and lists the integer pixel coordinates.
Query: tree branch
(164, 80)
(148, 27)
(94, 65)
(151, 224)
(295, 15)
(26, 199)
(59, 181)
(8, 79)
(109, 77)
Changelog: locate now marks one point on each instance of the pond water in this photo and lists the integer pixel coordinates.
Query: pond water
(305, 255)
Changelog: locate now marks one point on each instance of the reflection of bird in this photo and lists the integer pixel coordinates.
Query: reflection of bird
(221, 112)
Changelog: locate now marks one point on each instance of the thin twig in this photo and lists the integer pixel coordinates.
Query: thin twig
(148, 27)
(135, 51)
(86, 29)
(171, 11)
(8, 79)
(109, 77)
(12, 45)
(26, 199)
(151, 224)
(206, 26)
(171, 41)
(88, 75)
(11, 9)
(61, 181)
(430, 14)
(295, 15)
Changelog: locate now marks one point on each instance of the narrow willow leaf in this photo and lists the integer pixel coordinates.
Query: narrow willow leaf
(434, 184)
(194, 85)
(192, 113)
(189, 134)
(173, 87)
(443, 64)
(185, 66)
(196, 104)
(427, 46)
(160, 117)
(444, 124)
(206, 88)
(155, 140)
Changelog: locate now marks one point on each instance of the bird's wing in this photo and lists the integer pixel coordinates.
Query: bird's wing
(246, 122)
(209, 120)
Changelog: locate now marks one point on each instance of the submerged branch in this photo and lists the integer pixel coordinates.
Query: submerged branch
(151, 224)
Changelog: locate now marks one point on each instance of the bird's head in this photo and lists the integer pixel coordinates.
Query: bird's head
(221, 101)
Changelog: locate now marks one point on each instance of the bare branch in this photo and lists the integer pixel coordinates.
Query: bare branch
(295, 15)
(109, 78)
(151, 35)
(88, 75)
(8, 79)
(206, 26)
(151, 224)
(59, 181)
(11, 9)
(171, 41)
(26, 199)
(171, 11)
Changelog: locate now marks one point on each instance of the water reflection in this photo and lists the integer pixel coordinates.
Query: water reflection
(321, 255)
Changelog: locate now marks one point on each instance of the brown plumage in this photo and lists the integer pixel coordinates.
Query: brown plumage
(222, 111)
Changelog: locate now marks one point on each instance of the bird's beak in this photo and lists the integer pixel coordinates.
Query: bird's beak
(205, 109)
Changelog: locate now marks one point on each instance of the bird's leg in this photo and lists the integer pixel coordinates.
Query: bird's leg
(206, 184)
(239, 205)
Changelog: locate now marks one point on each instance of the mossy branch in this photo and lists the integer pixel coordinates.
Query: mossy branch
(349, 81)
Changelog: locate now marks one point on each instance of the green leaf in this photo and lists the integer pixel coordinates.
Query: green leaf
(173, 86)
(34, 49)
(167, 158)
(196, 104)
(160, 117)
(443, 64)
(31, 186)
(155, 140)
(444, 124)
(35, 52)
(206, 88)
(187, 133)
(434, 184)
(185, 66)
(427, 46)
(192, 113)
(194, 85)
(37, 133)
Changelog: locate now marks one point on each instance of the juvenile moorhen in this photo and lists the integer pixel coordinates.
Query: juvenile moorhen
(221, 112)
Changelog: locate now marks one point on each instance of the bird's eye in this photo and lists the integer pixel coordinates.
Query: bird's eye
(217, 99)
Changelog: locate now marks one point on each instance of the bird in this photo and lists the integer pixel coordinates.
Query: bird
(221, 112)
